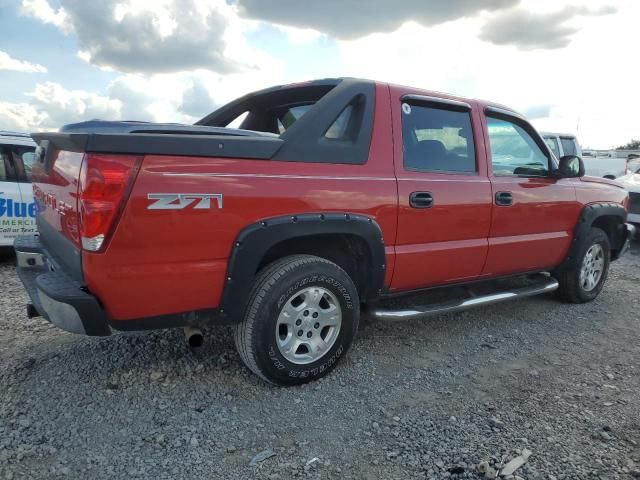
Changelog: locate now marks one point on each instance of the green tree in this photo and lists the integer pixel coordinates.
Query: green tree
(632, 145)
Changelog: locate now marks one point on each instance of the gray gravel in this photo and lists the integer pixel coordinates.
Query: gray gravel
(422, 399)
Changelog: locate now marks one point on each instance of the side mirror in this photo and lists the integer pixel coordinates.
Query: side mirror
(571, 166)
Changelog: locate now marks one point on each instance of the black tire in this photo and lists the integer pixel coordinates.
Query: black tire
(571, 288)
(256, 338)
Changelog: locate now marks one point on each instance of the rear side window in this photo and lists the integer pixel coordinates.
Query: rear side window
(569, 145)
(290, 116)
(437, 139)
(23, 159)
(7, 171)
(552, 143)
(339, 128)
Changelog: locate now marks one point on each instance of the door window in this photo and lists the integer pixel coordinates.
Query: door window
(437, 140)
(552, 143)
(7, 171)
(569, 146)
(514, 151)
(23, 159)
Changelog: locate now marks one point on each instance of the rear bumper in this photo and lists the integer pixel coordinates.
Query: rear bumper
(56, 297)
(67, 304)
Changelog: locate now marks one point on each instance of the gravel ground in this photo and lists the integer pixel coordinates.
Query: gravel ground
(421, 399)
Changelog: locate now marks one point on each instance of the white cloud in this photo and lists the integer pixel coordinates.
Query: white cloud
(530, 30)
(149, 36)
(41, 10)
(20, 117)
(349, 19)
(182, 97)
(66, 106)
(9, 63)
(591, 84)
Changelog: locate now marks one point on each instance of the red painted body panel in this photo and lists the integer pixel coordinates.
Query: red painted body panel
(447, 242)
(159, 262)
(169, 261)
(536, 231)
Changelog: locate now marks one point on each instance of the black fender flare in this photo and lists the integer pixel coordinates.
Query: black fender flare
(589, 214)
(255, 240)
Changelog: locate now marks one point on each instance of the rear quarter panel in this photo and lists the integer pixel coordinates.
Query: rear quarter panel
(169, 261)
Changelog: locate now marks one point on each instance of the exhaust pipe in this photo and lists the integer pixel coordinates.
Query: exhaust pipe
(194, 336)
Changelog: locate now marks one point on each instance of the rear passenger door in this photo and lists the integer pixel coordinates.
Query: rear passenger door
(9, 198)
(444, 194)
(534, 212)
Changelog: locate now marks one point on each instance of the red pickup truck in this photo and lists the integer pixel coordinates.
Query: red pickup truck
(331, 195)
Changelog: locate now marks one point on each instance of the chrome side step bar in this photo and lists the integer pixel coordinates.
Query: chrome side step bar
(545, 285)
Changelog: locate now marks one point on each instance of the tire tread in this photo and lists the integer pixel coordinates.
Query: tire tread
(568, 289)
(267, 278)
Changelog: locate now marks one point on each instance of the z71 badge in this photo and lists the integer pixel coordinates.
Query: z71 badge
(178, 201)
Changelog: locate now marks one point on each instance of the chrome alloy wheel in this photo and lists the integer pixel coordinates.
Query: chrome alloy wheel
(592, 267)
(308, 325)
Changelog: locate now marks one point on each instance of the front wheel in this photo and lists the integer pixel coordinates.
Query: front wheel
(301, 318)
(584, 282)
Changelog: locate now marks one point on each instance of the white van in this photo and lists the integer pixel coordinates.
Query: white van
(595, 165)
(17, 208)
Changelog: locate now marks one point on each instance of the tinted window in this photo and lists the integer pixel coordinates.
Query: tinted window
(552, 143)
(513, 150)
(7, 172)
(569, 146)
(436, 139)
(338, 129)
(23, 159)
(290, 116)
(237, 122)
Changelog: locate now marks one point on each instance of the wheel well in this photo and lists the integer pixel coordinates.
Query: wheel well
(611, 224)
(350, 252)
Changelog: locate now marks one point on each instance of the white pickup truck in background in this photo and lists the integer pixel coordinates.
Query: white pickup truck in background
(17, 208)
(595, 165)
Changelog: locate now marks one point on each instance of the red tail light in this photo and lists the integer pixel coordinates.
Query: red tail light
(105, 182)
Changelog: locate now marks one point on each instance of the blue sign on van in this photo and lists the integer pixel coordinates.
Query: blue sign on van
(11, 208)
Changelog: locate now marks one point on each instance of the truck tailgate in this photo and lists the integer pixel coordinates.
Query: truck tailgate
(55, 187)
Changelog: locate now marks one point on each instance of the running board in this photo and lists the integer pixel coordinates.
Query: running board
(544, 284)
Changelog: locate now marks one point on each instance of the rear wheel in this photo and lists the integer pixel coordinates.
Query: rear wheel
(584, 282)
(301, 318)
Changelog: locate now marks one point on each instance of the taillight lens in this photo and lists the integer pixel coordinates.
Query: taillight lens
(105, 181)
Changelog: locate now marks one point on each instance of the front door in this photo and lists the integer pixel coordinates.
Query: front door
(444, 194)
(534, 213)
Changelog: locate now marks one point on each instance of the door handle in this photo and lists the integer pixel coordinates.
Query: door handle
(421, 200)
(504, 199)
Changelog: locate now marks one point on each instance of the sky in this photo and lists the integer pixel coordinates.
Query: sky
(570, 66)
